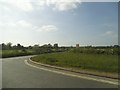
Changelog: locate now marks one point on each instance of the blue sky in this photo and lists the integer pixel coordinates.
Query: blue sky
(65, 23)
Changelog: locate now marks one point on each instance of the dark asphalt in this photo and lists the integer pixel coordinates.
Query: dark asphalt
(16, 74)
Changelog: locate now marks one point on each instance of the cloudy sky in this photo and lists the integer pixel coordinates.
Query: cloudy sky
(66, 22)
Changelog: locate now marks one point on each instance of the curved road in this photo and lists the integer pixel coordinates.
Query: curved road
(16, 74)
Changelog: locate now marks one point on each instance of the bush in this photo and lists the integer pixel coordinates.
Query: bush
(108, 51)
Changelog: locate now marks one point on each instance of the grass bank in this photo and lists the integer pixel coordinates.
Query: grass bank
(15, 53)
(98, 62)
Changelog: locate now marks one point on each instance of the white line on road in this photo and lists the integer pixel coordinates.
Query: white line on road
(78, 76)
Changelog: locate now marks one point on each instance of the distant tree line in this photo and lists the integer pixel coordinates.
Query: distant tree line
(113, 50)
(9, 50)
(9, 46)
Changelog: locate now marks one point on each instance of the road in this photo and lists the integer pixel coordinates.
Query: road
(17, 74)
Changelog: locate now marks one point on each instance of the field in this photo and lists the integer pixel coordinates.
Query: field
(0, 53)
(15, 53)
(99, 62)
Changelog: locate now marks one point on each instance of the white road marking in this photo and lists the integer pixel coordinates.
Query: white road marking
(78, 76)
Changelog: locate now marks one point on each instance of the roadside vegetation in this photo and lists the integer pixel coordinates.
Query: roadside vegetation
(9, 50)
(15, 53)
(100, 58)
(105, 60)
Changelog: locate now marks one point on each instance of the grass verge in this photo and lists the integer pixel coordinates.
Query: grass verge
(15, 53)
(98, 62)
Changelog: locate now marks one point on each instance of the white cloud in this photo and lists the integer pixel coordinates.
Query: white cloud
(110, 34)
(29, 5)
(63, 5)
(109, 25)
(16, 25)
(23, 25)
(40, 2)
(24, 5)
(47, 28)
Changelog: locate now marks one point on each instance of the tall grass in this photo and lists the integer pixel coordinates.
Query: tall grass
(15, 53)
(99, 62)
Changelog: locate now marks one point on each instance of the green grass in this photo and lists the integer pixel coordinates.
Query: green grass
(15, 53)
(99, 62)
(0, 53)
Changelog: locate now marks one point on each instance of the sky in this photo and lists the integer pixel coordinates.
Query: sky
(66, 22)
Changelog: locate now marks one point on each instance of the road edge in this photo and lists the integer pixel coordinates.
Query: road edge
(109, 81)
(71, 70)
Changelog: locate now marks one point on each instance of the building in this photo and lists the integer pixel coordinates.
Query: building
(56, 45)
(77, 45)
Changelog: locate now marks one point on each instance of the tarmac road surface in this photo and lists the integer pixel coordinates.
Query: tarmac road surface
(17, 74)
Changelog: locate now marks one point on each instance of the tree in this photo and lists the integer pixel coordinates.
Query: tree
(20, 46)
(36, 48)
(9, 45)
(3, 46)
(55, 45)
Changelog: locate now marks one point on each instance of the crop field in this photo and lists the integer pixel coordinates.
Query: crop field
(99, 62)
